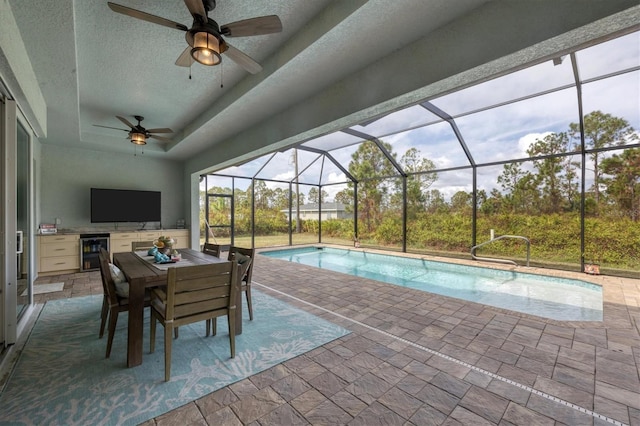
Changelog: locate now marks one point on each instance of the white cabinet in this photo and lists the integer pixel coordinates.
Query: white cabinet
(58, 253)
(61, 253)
(149, 235)
(121, 241)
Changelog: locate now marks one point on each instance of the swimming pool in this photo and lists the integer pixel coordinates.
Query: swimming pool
(549, 297)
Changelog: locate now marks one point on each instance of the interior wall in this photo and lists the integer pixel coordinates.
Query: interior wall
(67, 174)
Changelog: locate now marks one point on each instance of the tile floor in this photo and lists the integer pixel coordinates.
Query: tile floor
(419, 359)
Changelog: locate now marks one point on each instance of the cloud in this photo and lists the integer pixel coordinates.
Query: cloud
(527, 140)
(285, 176)
(336, 177)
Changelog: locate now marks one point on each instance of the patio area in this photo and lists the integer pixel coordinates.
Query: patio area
(414, 358)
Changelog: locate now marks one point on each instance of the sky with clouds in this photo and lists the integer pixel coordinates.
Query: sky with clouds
(501, 133)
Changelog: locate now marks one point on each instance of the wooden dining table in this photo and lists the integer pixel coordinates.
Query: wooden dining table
(142, 273)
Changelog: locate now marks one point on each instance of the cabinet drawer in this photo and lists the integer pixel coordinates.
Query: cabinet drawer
(148, 236)
(69, 248)
(119, 246)
(124, 235)
(59, 263)
(57, 239)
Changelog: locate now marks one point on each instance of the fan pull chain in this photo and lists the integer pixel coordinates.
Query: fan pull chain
(221, 85)
(189, 72)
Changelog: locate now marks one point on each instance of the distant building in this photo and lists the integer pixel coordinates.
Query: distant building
(329, 211)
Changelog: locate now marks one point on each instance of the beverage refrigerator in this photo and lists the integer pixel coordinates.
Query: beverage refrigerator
(90, 245)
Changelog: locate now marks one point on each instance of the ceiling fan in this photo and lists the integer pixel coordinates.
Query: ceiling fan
(139, 134)
(205, 35)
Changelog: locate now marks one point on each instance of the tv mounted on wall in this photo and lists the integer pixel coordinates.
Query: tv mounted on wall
(124, 205)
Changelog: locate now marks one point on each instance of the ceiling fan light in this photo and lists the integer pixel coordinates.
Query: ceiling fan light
(206, 48)
(138, 138)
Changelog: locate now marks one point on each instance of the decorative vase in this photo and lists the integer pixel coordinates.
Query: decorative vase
(164, 245)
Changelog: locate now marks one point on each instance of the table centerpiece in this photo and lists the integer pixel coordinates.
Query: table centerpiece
(164, 244)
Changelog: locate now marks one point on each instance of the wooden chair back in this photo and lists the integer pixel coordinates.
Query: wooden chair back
(194, 293)
(141, 245)
(108, 285)
(112, 303)
(247, 255)
(212, 249)
(248, 270)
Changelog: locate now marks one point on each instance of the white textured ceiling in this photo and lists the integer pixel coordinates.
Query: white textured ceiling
(92, 64)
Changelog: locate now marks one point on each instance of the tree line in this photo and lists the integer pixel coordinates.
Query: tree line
(546, 183)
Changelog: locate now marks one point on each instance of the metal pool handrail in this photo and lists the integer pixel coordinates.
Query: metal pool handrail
(491, 259)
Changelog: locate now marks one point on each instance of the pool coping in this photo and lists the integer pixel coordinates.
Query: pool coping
(620, 295)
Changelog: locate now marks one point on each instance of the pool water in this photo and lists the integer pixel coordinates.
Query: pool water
(549, 297)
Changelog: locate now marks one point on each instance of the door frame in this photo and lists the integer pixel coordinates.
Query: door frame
(8, 228)
(12, 327)
(212, 226)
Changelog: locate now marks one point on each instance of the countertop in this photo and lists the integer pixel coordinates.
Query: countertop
(72, 231)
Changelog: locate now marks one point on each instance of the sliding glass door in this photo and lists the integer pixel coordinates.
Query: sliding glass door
(3, 197)
(16, 222)
(8, 312)
(23, 229)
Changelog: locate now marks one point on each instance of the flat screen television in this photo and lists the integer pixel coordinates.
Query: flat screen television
(124, 205)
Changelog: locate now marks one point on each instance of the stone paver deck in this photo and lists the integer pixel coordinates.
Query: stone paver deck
(414, 358)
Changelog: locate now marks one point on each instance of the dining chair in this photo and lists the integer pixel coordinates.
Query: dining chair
(212, 249)
(116, 297)
(242, 255)
(194, 293)
(242, 271)
(104, 314)
(141, 245)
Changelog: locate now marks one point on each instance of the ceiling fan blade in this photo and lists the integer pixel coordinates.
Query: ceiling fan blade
(243, 60)
(196, 7)
(162, 130)
(146, 16)
(160, 138)
(253, 26)
(125, 121)
(185, 59)
(114, 128)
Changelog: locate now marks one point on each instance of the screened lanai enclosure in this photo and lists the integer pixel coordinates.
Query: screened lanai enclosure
(541, 165)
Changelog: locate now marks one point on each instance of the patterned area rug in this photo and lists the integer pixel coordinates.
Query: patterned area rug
(62, 376)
